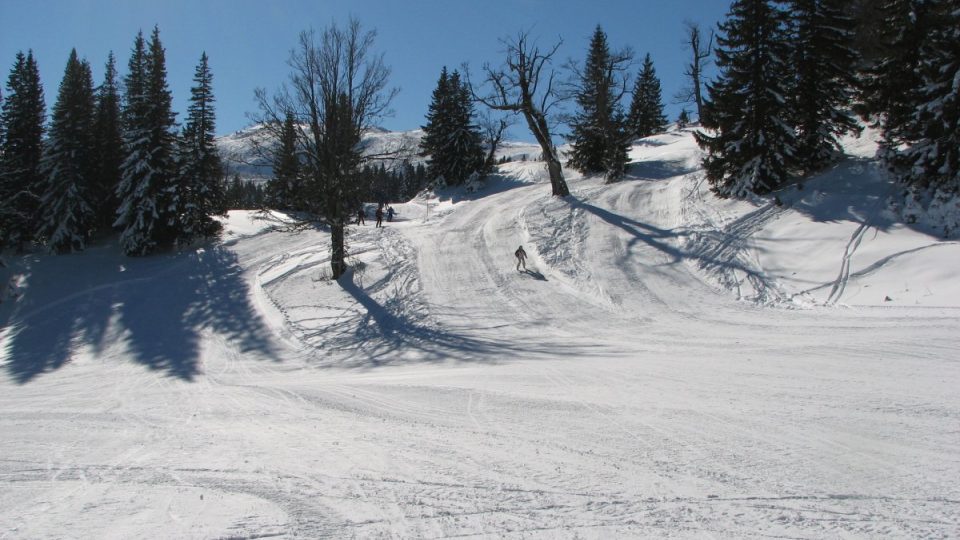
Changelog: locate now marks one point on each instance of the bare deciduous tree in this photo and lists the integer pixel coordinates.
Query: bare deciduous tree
(493, 130)
(521, 86)
(337, 90)
(699, 60)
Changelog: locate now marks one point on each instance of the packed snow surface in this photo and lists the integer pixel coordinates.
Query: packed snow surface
(668, 365)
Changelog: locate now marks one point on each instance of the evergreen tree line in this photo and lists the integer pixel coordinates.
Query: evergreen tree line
(245, 195)
(111, 158)
(792, 80)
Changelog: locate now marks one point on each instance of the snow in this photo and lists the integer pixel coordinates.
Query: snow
(672, 365)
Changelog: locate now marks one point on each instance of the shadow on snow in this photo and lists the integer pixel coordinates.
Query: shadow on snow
(157, 306)
(378, 334)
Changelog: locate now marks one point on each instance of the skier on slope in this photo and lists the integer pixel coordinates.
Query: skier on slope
(380, 216)
(521, 258)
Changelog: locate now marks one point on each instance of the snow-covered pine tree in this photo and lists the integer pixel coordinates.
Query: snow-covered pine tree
(599, 137)
(67, 217)
(148, 189)
(932, 159)
(451, 141)
(753, 144)
(646, 109)
(889, 87)
(283, 189)
(201, 184)
(21, 181)
(109, 147)
(465, 143)
(436, 130)
(683, 120)
(825, 62)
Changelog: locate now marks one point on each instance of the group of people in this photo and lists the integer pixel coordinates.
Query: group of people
(380, 212)
(520, 254)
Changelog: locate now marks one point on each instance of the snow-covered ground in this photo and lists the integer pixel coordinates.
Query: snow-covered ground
(670, 365)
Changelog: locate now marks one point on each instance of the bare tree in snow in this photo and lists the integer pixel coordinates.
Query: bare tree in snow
(526, 84)
(699, 60)
(337, 90)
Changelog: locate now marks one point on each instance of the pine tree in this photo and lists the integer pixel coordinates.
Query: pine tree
(825, 63)
(68, 218)
(753, 145)
(21, 180)
(683, 120)
(148, 189)
(890, 86)
(200, 186)
(646, 109)
(283, 189)
(109, 148)
(598, 135)
(932, 160)
(464, 144)
(452, 140)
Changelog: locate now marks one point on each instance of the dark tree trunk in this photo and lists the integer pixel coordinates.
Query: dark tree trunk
(338, 252)
(541, 131)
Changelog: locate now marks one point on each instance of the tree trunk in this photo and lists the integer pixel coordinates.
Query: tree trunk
(541, 131)
(338, 253)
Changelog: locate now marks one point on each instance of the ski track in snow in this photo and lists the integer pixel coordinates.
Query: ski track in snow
(616, 389)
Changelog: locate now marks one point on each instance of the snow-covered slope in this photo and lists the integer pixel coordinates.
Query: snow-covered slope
(669, 365)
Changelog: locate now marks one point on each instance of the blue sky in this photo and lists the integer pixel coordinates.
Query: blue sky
(248, 41)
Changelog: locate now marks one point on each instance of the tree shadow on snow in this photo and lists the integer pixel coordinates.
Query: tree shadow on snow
(158, 307)
(381, 334)
(657, 169)
(708, 255)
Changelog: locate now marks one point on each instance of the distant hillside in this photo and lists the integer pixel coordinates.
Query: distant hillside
(246, 152)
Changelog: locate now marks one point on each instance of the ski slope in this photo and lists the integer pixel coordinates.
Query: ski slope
(669, 366)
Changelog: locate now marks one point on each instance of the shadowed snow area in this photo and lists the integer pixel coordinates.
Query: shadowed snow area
(668, 365)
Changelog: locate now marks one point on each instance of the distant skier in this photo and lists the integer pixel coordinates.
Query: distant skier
(360, 220)
(390, 213)
(521, 258)
(380, 217)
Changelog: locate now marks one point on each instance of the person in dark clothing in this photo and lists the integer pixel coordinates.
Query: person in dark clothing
(380, 217)
(360, 220)
(389, 213)
(521, 258)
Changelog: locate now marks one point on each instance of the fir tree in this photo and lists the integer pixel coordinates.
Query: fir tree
(753, 145)
(646, 109)
(68, 217)
(200, 189)
(109, 147)
(284, 187)
(890, 86)
(436, 130)
(21, 180)
(598, 130)
(683, 120)
(932, 160)
(451, 141)
(148, 189)
(465, 142)
(825, 63)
